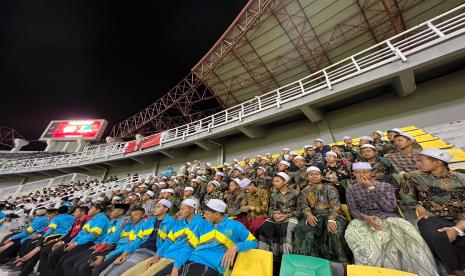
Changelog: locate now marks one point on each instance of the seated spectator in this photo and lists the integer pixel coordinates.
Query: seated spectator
(298, 178)
(152, 234)
(235, 196)
(439, 199)
(321, 232)
(147, 202)
(320, 147)
(177, 247)
(221, 240)
(381, 167)
(378, 142)
(254, 207)
(262, 179)
(312, 158)
(277, 231)
(378, 236)
(213, 192)
(336, 174)
(404, 159)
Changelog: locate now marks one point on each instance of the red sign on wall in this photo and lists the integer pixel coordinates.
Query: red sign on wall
(151, 141)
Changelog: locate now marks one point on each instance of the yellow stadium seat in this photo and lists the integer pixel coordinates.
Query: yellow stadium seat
(458, 154)
(425, 138)
(408, 128)
(416, 132)
(439, 144)
(345, 210)
(254, 262)
(361, 270)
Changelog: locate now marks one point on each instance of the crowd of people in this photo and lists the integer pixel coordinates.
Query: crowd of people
(194, 220)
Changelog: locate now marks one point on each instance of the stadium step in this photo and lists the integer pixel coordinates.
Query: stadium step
(362, 270)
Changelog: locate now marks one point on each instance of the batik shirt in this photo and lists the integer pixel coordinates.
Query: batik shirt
(342, 172)
(379, 201)
(381, 168)
(402, 162)
(300, 177)
(442, 196)
(314, 160)
(287, 203)
(264, 181)
(381, 146)
(322, 200)
(234, 201)
(258, 202)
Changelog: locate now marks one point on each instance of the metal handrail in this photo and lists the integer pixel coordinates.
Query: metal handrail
(398, 47)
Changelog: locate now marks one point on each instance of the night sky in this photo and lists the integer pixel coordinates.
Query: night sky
(99, 59)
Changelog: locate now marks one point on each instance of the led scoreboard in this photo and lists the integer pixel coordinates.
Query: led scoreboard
(72, 130)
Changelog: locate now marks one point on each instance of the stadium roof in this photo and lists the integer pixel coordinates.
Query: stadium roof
(272, 43)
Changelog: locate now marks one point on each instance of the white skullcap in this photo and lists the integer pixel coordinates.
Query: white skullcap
(245, 158)
(195, 180)
(219, 173)
(398, 130)
(331, 153)
(437, 154)
(261, 168)
(288, 149)
(169, 190)
(368, 138)
(293, 153)
(150, 193)
(217, 205)
(239, 168)
(361, 166)
(189, 189)
(208, 164)
(379, 132)
(173, 177)
(244, 183)
(313, 168)
(267, 154)
(285, 163)
(283, 175)
(191, 203)
(319, 140)
(216, 183)
(299, 157)
(237, 180)
(163, 191)
(116, 198)
(137, 194)
(99, 198)
(165, 203)
(162, 182)
(235, 160)
(259, 156)
(200, 172)
(406, 135)
(346, 138)
(189, 164)
(308, 146)
(226, 164)
(368, 146)
(129, 189)
(143, 186)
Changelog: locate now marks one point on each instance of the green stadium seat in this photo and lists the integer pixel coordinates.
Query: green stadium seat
(361, 270)
(439, 144)
(299, 265)
(254, 262)
(458, 154)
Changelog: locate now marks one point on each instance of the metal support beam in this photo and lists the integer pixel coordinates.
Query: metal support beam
(253, 132)
(314, 114)
(137, 160)
(405, 83)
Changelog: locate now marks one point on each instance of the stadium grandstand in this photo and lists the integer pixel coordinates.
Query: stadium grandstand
(313, 138)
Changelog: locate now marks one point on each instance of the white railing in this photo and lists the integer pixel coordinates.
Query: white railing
(19, 190)
(399, 47)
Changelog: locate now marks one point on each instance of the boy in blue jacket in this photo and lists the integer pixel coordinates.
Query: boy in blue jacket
(216, 242)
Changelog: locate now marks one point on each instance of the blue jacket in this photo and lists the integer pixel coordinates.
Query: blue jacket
(37, 226)
(2, 218)
(181, 240)
(114, 231)
(129, 240)
(213, 241)
(92, 230)
(163, 230)
(60, 225)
